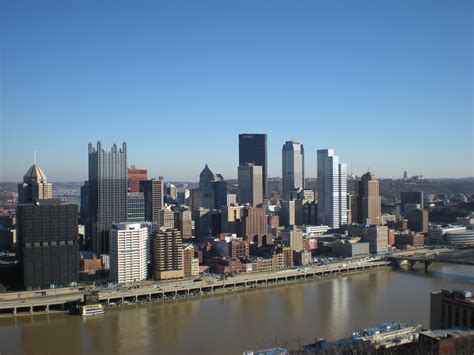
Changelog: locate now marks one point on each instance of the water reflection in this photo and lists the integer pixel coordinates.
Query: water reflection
(237, 321)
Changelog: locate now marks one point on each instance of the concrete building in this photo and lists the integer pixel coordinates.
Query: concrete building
(369, 202)
(332, 189)
(183, 222)
(167, 255)
(135, 207)
(190, 263)
(451, 235)
(134, 177)
(377, 236)
(47, 245)
(292, 167)
(347, 249)
(128, 253)
(293, 238)
(451, 309)
(253, 149)
(254, 224)
(250, 184)
(108, 187)
(231, 199)
(302, 257)
(35, 186)
(418, 220)
(165, 218)
(288, 213)
(202, 198)
(153, 191)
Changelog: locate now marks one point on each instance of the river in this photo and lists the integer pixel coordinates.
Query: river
(252, 319)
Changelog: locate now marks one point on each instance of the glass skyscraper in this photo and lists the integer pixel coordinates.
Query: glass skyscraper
(292, 167)
(107, 193)
(253, 150)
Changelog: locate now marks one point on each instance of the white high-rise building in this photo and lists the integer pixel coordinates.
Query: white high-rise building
(332, 189)
(292, 167)
(128, 252)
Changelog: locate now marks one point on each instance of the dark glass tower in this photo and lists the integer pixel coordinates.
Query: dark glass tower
(253, 149)
(107, 193)
(47, 243)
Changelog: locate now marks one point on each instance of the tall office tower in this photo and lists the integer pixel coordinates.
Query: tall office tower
(47, 243)
(254, 224)
(253, 149)
(411, 200)
(202, 222)
(34, 186)
(183, 222)
(135, 207)
(128, 252)
(153, 192)
(369, 201)
(202, 198)
(292, 167)
(134, 178)
(206, 177)
(332, 189)
(219, 186)
(288, 213)
(167, 255)
(250, 184)
(166, 218)
(107, 193)
(84, 211)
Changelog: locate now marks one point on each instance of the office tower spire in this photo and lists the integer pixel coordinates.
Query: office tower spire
(35, 185)
(107, 192)
(292, 167)
(332, 189)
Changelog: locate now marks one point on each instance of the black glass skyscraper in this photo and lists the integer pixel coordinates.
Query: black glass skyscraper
(253, 149)
(47, 243)
(107, 193)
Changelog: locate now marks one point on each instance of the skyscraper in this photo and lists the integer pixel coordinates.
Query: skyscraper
(47, 243)
(134, 178)
(292, 167)
(128, 252)
(35, 186)
(135, 207)
(369, 201)
(253, 149)
(107, 193)
(332, 189)
(250, 184)
(167, 255)
(153, 191)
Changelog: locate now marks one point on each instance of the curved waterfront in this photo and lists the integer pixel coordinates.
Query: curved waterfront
(250, 319)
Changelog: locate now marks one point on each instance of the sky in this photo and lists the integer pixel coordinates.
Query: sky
(387, 84)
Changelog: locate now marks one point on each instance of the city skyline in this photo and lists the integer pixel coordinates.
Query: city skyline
(160, 77)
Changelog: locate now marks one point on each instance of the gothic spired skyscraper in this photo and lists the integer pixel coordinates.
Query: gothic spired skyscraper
(253, 150)
(292, 167)
(332, 189)
(107, 193)
(35, 186)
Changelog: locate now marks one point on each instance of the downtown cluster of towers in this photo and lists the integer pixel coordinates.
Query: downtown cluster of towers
(116, 199)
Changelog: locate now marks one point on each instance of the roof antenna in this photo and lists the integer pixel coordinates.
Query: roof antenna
(34, 157)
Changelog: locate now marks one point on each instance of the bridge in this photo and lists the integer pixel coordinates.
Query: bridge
(427, 257)
(41, 302)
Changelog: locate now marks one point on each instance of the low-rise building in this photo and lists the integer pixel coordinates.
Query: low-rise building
(348, 249)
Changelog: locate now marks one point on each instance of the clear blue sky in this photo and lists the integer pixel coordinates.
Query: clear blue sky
(388, 84)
